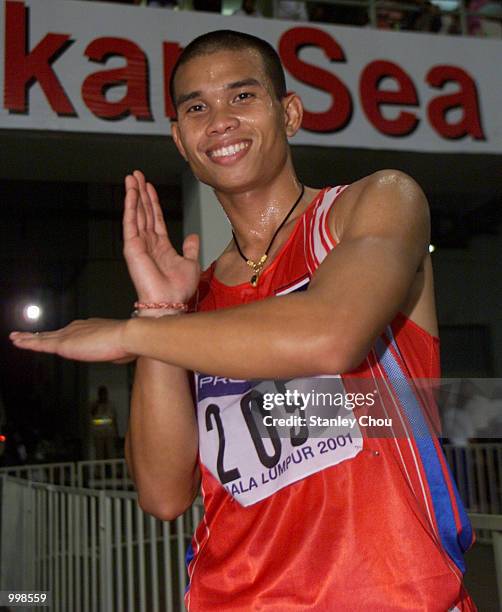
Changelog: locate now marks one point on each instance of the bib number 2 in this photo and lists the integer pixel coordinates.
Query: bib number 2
(251, 457)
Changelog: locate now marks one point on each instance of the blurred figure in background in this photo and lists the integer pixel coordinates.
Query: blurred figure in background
(327, 12)
(428, 19)
(103, 427)
(292, 10)
(248, 9)
(171, 4)
(488, 23)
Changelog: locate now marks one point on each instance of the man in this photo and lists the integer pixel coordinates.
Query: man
(103, 426)
(313, 284)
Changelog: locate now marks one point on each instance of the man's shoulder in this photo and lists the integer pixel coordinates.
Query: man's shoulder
(383, 191)
(389, 180)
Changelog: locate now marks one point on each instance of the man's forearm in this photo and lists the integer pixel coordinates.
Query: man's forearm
(260, 340)
(162, 439)
(327, 329)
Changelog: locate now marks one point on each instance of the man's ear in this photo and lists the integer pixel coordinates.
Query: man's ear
(293, 113)
(175, 133)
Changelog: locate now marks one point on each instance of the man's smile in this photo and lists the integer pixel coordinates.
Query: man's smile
(229, 153)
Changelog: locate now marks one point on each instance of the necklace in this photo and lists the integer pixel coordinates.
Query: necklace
(258, 266)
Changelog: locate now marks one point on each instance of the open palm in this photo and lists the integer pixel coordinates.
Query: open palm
(158, 272)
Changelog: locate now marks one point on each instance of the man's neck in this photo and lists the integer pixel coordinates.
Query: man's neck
(256, 214)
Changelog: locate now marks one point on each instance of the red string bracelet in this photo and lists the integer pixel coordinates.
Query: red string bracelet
(161, 305)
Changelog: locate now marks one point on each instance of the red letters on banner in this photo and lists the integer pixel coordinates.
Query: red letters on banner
(23, 68)
(134, 75)
(452, 115)
(171, 52)
(373, 97)
(339, 113)
(465, 99)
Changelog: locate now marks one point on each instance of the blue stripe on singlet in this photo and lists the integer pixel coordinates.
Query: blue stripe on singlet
(453, 543)
(188, 559)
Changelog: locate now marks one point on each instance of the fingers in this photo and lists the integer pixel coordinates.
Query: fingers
(129, 221)
(145, 211)
(45, 342)
(158, 217)
(191, 246)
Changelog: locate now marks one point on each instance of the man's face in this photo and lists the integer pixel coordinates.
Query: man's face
(231, 128)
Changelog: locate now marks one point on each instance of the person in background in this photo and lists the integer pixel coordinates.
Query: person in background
(428, 19)
(292, 10)
(103, 426)
(171, 4)
(388, 16)
(488, 21)
(248, 9)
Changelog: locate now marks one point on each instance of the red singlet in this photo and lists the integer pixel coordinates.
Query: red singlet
(300, 523)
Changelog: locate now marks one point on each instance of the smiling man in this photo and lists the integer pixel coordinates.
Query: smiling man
(315, 283)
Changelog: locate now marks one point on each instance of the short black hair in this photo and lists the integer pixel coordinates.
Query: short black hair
(232, 40)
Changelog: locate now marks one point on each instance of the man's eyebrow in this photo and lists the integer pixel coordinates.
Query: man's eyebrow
(244, 83)
(188, 96)
(234, 85)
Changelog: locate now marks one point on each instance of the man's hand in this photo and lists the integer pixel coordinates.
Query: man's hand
(89, 340)
(380, 267)
(159, 274)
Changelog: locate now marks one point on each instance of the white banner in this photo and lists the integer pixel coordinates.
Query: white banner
(92, 67)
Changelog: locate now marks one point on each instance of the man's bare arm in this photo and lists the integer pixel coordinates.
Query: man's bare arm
(330, 328)
(162, 441)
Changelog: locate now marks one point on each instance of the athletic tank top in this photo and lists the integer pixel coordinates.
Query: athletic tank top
(346, 521)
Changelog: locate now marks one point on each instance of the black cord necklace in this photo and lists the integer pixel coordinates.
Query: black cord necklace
(260, 264)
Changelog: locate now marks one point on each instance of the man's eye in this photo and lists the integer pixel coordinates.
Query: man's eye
(195, 108)
(244, 95)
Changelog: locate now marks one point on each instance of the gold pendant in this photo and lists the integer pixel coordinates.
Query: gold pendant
(257, 269)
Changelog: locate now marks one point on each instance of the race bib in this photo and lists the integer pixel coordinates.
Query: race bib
(257, 437)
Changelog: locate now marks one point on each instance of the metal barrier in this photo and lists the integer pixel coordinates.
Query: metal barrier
(477, 470)
(97, 474)
(77, 530)
(95, 550)
(110, 474)
(54, 473)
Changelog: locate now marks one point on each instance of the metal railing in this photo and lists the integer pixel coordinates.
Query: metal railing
(477, 469)
(54, 473)
(110, 474)
(77, 530)
(94, 550)
(96, 474)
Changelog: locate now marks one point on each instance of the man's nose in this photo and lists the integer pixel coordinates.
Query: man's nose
(222, 120)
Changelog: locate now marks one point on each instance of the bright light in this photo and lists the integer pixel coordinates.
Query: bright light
(432, 248)
(32, 312)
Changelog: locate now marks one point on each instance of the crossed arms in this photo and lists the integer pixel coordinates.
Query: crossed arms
(329, 328)
(383, 229)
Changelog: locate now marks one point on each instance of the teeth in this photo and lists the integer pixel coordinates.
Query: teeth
(230, 150)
